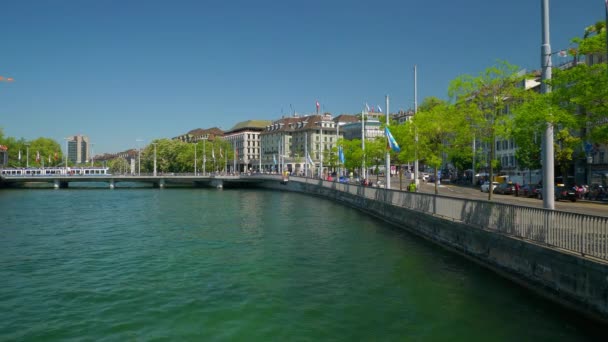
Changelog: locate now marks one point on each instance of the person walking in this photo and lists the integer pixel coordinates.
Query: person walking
(516, 189)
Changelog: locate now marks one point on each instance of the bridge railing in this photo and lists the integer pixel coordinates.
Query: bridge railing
(579, 233)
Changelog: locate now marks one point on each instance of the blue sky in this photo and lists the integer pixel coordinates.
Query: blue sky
(123, 70)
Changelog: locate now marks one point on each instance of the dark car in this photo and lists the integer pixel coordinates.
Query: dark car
(505, 189)
(561, 193)
(529, 190)
(565, 193)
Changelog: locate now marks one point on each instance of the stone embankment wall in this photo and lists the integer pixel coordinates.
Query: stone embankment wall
(571, 280)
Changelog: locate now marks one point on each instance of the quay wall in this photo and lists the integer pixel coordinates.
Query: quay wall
(571, 280)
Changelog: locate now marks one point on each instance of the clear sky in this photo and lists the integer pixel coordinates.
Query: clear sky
(122, 70)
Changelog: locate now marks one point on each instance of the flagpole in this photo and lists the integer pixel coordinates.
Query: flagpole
(321, 152)
(416, 130)
(363, 144)
(387, 172)
(338, 148)
(306, 153)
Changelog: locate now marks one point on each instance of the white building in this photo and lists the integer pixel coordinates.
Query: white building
(245, 140)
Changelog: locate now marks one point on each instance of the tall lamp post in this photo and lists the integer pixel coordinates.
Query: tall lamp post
(204, 137)
(92, 159)
(139, 156)
(154, 158)
(387, 172)
(548, 153)
(66, 152)
(27, 155)
(195, 147)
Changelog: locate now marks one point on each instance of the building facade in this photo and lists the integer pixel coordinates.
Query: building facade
(79, 149)
(245, 140)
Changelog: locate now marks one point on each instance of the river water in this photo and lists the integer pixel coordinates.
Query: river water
(205, 264)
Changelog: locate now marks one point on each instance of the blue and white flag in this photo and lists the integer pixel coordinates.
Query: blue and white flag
(309, 160)
(367, 107)
(379, 109)
(392, 143)
(341, 154)
(274, 159)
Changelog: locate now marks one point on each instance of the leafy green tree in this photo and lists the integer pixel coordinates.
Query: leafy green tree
(353, 154)
(484, 101)
(118, 166)
(375, 150)
(442, 130)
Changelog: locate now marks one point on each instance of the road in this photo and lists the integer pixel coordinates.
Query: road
(581, 207)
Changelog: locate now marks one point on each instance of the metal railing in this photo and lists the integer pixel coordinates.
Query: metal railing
(586, 235)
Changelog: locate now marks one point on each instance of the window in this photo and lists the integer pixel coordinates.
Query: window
(498, 146)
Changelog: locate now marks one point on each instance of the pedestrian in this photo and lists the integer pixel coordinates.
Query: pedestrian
(516, 189)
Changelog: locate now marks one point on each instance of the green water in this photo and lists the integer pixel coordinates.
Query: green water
(250, 265)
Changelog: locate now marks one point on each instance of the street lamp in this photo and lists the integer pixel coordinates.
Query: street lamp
(204, 137)
(154, 158)
(66, 152)
(195, 146)
(139, 156)
(92, 159)
(27, 156)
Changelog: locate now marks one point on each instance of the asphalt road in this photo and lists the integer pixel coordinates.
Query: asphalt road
(580, 206)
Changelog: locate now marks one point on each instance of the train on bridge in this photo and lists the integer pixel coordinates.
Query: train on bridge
(55, 171)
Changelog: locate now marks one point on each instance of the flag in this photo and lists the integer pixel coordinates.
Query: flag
(19, 157)
(379, 109)
(391, 140)
(367, 107)
(318, 105)
(274, 159)
(341, 154)
(309, 160)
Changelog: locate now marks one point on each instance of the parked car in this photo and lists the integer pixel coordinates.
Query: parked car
(529, 190)
(505, 189)
(561, 193)
(486, 185)
(565, 193)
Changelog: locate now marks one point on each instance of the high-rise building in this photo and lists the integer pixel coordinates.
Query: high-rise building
(78, 149)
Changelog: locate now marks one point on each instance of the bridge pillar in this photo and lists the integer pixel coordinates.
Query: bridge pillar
(112, 184)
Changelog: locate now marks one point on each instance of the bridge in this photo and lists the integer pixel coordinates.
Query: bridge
(159, 181)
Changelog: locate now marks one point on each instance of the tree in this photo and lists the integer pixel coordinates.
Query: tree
(442, 129)
(118, 165)
(484, 101)
(353, 154)
(375, 151)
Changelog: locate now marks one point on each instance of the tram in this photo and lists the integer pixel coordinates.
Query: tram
(55, 171)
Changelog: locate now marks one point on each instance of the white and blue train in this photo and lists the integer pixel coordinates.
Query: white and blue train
(55, 171)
